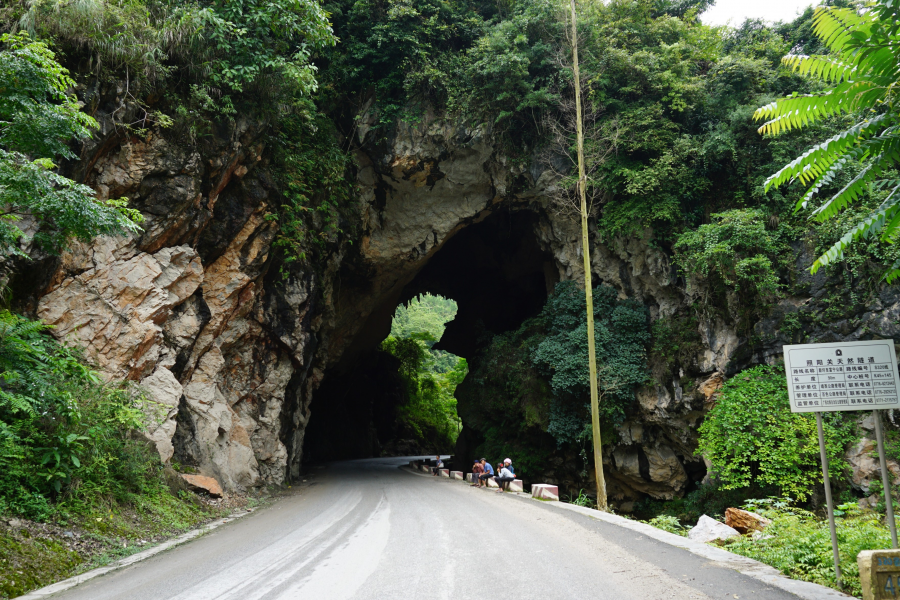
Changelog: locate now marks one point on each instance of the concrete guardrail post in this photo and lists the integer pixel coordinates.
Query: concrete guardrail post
(545, 491)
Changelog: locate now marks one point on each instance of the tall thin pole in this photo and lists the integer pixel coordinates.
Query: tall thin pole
(885, 479)
(585, 251)
(828, 502)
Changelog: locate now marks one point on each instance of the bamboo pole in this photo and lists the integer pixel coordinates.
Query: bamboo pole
(585, 250)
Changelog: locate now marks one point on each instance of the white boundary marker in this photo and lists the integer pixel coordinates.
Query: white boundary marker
(65, 584)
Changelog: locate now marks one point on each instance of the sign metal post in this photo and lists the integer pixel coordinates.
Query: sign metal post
(828, 502)
(845, 376)
(885, 479)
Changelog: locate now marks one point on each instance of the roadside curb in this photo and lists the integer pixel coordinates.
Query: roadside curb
(65, 584)
(746, 566)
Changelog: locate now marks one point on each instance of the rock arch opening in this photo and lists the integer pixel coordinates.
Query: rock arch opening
(499, 276)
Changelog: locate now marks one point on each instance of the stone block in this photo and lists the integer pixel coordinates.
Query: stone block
(456, 475)
(200, 483)
(470, 477)
(491, 483)
(879, 574)
(516, 485)
(545, 491)
(444, 472)
(744, 521)
(710, 530)
(425, 469)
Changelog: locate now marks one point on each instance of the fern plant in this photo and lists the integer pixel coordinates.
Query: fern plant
(863, 68)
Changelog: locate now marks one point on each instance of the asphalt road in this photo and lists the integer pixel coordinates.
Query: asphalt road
(369, 530)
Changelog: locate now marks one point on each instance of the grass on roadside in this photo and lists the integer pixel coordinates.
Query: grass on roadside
(798, 543)
(34, 554)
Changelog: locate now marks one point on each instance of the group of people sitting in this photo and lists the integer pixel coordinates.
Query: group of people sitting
(483, 471)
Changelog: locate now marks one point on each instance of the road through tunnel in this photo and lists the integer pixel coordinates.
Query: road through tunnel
(498, 275)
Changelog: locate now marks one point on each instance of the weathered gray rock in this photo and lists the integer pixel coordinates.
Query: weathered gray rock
(231, 354)
(115, 307)
(708, 530)
(865, 469)
(160, 407)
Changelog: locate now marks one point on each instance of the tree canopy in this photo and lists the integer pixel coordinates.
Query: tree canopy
(862, 66)
(39, 120)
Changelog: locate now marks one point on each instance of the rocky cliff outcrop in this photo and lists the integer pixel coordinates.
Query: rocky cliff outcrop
(189, 309)
(230, 351)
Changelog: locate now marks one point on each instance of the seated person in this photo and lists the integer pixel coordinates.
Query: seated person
(508, 464)
(477, 470)
(488, 471)
(504, 477)
(438, 465)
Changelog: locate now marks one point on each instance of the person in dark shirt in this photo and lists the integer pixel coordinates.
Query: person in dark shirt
(438, 465)
(477, 470)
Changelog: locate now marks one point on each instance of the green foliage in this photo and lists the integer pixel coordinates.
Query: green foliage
(582, 499)
(668, 523)
(621, 334)
(38, 120)
(64, 434)
(528, 389)
(316, 192)
(751, 437)
(425, 313)
(798, 543)
(401, 52)
(676, 340)
(430, 376)
(737, 254)
(861, 68)
(514, 72)
(222, 52)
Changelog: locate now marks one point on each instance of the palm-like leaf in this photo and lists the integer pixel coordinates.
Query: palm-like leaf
(864, 70)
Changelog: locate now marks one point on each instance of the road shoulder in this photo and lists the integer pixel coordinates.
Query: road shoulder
(715, 556)
(65, 584)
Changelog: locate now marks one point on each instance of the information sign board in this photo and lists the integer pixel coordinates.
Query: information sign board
(842, 376)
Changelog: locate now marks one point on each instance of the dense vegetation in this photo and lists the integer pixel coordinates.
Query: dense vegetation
(429, 375)
(38, 121)
(66, 448)
(673, 148)
(751, 437)
(528, 390)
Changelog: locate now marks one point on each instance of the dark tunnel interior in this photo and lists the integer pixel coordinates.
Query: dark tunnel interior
(498, 275)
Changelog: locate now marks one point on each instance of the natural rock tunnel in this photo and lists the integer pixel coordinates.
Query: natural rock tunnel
(258, 366)
(499, 276)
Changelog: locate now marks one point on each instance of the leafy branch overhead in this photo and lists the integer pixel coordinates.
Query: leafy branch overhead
(38, 120)
(863, 68)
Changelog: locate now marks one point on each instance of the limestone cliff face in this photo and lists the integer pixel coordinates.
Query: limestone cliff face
(231, 352)
(186, 309)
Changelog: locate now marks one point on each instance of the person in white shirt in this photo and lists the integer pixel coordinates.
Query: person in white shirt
(504, 476)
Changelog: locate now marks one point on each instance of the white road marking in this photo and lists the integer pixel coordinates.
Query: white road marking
(264, 570)
(347, 568)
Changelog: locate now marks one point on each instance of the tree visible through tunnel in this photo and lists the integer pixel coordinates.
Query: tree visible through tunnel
(496, 276)
(427, 418)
